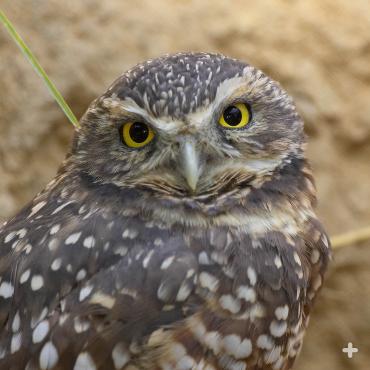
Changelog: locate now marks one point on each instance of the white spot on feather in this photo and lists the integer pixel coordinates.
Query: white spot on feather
(48, 356)
(236, 347)
(6, 289)
(147, 258)
(16, 324)
(81, 275)
(246, 293)
(167, 262)
(54, 229)
(252, 275)
(265, 342)
(185, 363)
(27, 248)
(10, 237)
(120, 355)
(203, 259)
(297, 259)
(208, 281)
(37, 282)
(229, 303)
(89, 242)
(177, 351)
(16, 342)
(80, 326)
(130, 233)
(282, 312)
(56, 210)
(164, 291)
(40, 332)
(25, 276)
(85, 292)
(73, 238)
(56, 264)
(52, 245)
(278, 262)
(22, 233)
(213, 341)
(121, 251)
(183, 292)
(84, 362)
(36, 208)
(278, 329)
(315, 256)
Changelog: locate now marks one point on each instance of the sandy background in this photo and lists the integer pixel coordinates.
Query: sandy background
(318, 49)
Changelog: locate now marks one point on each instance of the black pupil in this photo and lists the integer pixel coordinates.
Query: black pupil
(232, 115)
(139, 132)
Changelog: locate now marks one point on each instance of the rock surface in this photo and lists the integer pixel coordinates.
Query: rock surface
(319, 50)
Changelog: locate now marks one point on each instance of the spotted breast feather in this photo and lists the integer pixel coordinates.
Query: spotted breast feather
(101, 287)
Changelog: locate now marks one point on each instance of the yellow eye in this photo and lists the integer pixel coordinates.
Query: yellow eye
(136, 134)
(235, 116)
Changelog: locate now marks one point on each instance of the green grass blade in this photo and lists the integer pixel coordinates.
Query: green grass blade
(36, 65)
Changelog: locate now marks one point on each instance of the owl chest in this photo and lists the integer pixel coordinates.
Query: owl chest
(244, 288)
(249, 279)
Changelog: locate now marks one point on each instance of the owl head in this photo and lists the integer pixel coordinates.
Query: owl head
(190, 126)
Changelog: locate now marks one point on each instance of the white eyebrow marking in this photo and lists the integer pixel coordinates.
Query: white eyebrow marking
(203, 115)
(128, 105)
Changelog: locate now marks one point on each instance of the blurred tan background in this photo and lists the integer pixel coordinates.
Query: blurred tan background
(318, 49)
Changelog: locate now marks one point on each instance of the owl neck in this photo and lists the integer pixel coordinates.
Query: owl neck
(287, 195)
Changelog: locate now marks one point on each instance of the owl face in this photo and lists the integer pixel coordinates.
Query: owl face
(194, 126)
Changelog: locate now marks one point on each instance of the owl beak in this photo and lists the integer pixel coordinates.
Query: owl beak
(190, 158)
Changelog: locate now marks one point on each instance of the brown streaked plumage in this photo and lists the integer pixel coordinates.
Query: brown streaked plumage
(198, 250)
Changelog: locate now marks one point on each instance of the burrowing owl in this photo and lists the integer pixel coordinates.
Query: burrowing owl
(179, 232)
